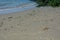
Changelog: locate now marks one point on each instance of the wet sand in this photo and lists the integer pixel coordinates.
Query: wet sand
(35, 24)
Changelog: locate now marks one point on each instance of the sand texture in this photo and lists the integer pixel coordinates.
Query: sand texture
(35, 24)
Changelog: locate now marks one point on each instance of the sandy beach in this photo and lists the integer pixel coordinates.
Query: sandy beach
(36, 24)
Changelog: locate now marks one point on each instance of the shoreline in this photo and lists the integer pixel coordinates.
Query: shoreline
(18, 8)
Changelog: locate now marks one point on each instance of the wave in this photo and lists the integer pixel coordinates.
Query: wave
(18, 8)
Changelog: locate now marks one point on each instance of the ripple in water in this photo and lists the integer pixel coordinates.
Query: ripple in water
(10, 6)
(12, 3)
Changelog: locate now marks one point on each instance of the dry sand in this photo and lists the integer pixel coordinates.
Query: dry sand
(35, 24)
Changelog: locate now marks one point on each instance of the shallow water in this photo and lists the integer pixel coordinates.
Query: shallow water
(8, 6)
(11, 3)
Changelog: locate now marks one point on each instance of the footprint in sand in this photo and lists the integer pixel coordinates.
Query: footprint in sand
(5, 29)
(51, 20)
(11, 26)
(45, 29)
(1, 24)
(10, 18)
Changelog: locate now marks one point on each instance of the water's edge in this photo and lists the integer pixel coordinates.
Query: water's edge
(19, 9)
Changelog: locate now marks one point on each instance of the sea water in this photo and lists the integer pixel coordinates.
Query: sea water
(10, 6)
